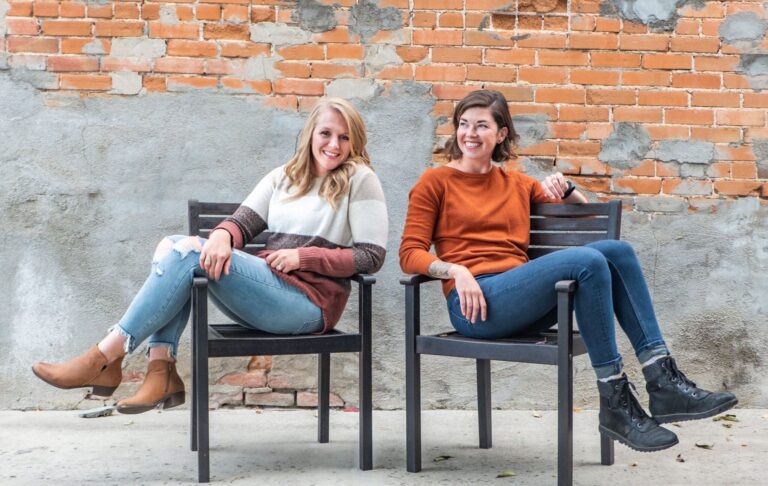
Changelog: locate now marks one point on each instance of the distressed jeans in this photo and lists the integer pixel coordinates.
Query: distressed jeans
(251, 295)
(523, 301)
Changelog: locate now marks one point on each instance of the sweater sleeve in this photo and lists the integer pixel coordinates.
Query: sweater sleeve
(369, 225)
(250, 219)
(537, 193)
(423, 212)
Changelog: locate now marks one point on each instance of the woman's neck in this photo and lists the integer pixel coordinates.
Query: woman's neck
(471, 166)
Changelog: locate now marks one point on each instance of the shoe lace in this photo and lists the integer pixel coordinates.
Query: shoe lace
(629, 400)
(677, 376)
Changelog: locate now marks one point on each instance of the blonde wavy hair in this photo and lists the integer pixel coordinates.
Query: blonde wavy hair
(336, 183)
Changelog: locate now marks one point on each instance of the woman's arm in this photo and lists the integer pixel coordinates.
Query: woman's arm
(554, 187)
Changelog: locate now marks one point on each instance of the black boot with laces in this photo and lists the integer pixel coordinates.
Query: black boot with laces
(622, 418)
(675, 398)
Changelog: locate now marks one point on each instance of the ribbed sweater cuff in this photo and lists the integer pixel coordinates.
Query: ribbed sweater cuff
(234, 231)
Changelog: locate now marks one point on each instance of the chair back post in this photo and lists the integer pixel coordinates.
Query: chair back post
(614, 220)
(193, 215)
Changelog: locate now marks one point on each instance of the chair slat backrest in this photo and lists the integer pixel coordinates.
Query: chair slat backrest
(204, 216)
(558, 226)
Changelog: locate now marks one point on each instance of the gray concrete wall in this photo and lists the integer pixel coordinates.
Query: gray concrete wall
(89, 185)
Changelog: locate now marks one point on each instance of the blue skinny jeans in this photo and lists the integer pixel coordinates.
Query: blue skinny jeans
(250, 295)
(523, 301)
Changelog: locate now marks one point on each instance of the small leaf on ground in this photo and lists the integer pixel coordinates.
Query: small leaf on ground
(577, 409)
(729, 417)
(701, 445)
(680, 458)
(676, 425)
(442, 458)
(634, 464)
(130, 422)
(507, 473)
(536, 414)
(727, 426)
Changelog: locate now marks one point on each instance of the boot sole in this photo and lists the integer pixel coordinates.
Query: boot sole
(99, 390)
(613, 435)
(168, 401)
(684, 417)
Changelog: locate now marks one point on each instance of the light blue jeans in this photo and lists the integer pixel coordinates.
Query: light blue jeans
(523, 301)
(251, 295)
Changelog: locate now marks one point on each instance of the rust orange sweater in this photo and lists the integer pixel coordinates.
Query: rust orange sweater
(480, 221)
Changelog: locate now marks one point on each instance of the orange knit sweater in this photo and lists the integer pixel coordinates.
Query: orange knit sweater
(480, 221)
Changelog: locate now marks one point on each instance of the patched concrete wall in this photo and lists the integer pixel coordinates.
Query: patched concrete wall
(114, 114)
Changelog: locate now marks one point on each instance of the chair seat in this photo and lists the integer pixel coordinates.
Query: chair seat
(539, 348)
(227, 340)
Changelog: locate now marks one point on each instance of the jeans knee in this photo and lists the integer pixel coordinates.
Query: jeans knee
(592, 259)
(613, 249)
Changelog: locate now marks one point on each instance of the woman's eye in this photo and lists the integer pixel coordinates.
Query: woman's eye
(345, 138)
(325, 133)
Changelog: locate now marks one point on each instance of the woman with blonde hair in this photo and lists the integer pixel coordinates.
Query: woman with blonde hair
(327, 219)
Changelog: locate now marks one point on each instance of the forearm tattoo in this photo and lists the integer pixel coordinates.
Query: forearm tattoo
(439, 269)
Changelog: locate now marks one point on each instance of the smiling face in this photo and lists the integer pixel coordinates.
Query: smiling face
(330, 142)
(478, 134)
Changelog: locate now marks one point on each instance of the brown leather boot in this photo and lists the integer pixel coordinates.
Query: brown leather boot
(88, 369)
(162, 388)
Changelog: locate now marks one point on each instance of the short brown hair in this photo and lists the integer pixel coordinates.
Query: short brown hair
(494, 100)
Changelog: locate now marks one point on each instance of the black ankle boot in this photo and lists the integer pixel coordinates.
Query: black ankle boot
(675, 398)
(623, 418)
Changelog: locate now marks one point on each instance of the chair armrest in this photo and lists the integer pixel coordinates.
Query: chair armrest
(200, 282)
(363, 278)
(567, 286)
(416, 279)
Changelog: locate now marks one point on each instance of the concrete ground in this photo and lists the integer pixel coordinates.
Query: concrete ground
(277, 447)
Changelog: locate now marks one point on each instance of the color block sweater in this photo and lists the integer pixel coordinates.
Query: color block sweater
(332, 244)
(480, 221)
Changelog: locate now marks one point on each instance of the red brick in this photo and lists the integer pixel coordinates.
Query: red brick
(594, 41)
(183, 48)
(309, 400)
(294, 69)
(308, 51)
(174, 31)
(740, 117)
(256, 378)
(72, 63)
(580, 148)
(260, 86)
(695, 44)
(235, 13)
(640, 185)
(20, 9)
(100, 11)
(615, 59)
(593, 184)
(583, 22)
(67, 27)
(424, 20)
(40, 45)
(262, 14)
(728, 152)
(397, 72)
(244, 49)
(668, 98)
(452, 91)
(75, 45)
(332, 70)
(489, 73)
(560, 95)
(603, 24)
(119, 28)
(482, 38)
(271, 399)
(452, 19)
(151, 11)
(544, 41)
(46, 9)
(667, 61)
(22, 26)
(718, 134)
(407, 54)
(716, 63)
(594, 76)
(611, 97)
(695, 80)
(645, 42)
(637, 115)
(562, 58)
(308, 87)
(645, 78)
(689, 117)
(439, 4)
(126, 10)
(510, 56)
(437, 37)
(708, 98)
(736, 81)
(743, 170)
(154, 83)
(687, 27)
(583, 113)
(667, 132)
(93, 82)
(457, 55)
(207, 12)
(512, 93)
(226, 31)
(737, 188)
(437, 72)
(543, 75)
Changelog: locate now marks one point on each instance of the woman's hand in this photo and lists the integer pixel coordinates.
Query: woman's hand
(216, 254)
(284, 260)
(471, 297)
(554, 185)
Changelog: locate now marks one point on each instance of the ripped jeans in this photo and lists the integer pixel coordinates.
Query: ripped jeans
(250, 295)
(610, 282)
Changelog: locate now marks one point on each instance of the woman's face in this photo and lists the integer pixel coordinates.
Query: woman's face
(478, 134)
(330, 142)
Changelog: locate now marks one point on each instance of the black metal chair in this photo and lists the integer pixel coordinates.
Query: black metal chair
(553, 227)
(224, 340)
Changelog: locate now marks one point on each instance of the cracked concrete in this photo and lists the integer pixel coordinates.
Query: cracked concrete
(313, 16)
(367, 18)
(760, 148)
(685, 151)
(626, 146)
(659, 14)
(278, 34)
(743, 27)
(531, 129)
(755, 68)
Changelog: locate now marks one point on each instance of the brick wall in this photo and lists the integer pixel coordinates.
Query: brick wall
(664, 112)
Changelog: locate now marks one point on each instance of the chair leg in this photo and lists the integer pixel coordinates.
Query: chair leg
(565, 388)
(365, 378)
(606, 450)
(412, 381)
(323, 395)
(484, 402)
(193, 407)
(200, 385)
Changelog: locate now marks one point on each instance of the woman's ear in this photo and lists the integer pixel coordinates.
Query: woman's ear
(502, 134)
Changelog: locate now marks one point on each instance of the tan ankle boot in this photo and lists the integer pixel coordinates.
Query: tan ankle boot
(162, 388)
(88, 369)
